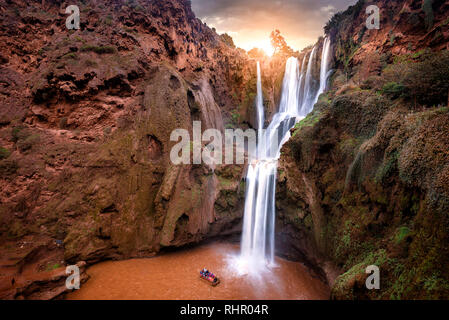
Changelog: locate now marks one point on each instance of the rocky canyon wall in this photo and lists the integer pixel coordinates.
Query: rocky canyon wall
(363, 181)
(85, 123)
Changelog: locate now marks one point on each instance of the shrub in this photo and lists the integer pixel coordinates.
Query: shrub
(63, 123)
(17, 132)
(394, 90)
(235, 117)
(392, 38)
(28, 142)
(24, 138)
(8, 166)
(4, 153)
(401, 234)
(422, 76)
(372, 82)
(108, 20)
(105, 49)
(51, 267)
(70, 55)
(90, 63)
(98, 49)
(428, 80)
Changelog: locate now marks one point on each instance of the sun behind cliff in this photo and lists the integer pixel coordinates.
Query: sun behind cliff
(270, 46)
(266, 47)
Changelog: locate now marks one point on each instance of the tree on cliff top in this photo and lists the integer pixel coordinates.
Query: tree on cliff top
(279, 44)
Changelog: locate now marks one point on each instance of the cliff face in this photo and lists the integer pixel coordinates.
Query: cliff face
(406, 27)
(363, 181)
(85, 123)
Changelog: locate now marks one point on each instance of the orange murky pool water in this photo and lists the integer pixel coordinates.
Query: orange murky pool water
(174, 276)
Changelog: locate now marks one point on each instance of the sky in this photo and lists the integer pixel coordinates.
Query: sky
(250, 22)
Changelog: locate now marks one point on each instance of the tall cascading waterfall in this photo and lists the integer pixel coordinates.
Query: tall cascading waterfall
(297, 100)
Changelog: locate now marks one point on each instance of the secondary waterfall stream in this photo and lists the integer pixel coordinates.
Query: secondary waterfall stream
(299, 95)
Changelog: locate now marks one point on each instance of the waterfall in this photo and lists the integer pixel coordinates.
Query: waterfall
(258, 225)
(259, 105)
(257, 248)
(301, 80)
(307, 106)
(324, 72)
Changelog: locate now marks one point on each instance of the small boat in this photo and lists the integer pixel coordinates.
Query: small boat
(212, 279)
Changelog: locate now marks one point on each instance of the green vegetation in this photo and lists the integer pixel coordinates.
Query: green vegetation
(445, 23)
(341, 18)
(422, 77)
(4, 153)
(8, 166)
(247, 103)
(428, 80)
(51, 267)
(378, 160)
(435, 283)
(28, 142)
(130, 30)
(63, 123)
(235, 117)
(24, 138)
(71, 55)
(392, 38)
(345, 52)
(16, 230)
(402, 233)
(90, 63)
(108, 20)
(349, 146)
(99, 49)
(419, 54)
(393, 90)
(309, 121)
(44, 50)
(386, 169)
(356, 273)
(16, 133)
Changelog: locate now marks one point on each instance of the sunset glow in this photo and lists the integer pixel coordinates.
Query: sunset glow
(250, 22)
(266, 46)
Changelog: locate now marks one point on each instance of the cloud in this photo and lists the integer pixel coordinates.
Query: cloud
(329, 9)
(251, 21)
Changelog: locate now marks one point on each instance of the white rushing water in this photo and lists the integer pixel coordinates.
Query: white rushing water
(324, 72)
(297, 100)
(259, 104)
(307, 104)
